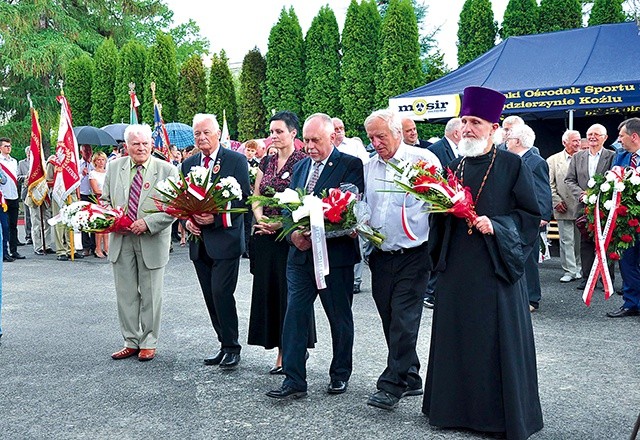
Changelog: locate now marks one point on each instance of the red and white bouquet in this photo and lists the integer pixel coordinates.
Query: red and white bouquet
(194, 194)
(613, 212)
(91, 217)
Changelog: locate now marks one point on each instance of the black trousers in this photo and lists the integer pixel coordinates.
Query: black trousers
(88, 240)
(398, 281)
(218, 280)
(12, 213)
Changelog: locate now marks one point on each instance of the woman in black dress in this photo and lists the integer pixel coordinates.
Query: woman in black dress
(269, 256)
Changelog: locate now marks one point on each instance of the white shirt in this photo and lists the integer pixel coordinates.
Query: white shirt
(313, 167)
(386, 207)
(213, 157)
(85, 186)
(593, 162)
(355, 148)
(10, 189)
(454, 147)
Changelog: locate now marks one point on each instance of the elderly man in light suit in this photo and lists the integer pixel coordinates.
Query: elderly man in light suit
(565, 207)
(139, 256)
(584, 164)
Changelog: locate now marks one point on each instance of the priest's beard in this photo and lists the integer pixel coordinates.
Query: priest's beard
(472, 147)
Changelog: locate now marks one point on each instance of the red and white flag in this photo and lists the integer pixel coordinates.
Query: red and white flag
(66, 178)
(36, 181)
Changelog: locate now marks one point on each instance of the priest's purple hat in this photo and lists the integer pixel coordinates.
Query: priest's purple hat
(482, 103)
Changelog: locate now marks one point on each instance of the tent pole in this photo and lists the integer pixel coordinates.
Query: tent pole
(570, 119)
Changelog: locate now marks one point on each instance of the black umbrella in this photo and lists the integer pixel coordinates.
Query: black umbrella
(87, 134)
(116, 130)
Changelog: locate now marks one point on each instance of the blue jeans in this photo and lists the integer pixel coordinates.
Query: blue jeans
(1, 238)
(630, 272)
(4, 221)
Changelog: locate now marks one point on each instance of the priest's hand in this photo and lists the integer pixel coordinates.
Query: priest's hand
(484, 225)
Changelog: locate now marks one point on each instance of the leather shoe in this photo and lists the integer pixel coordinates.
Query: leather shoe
(337, 386)
(623, 312)
(146, 354)
(276, 370)
(286, 392)
(230, 361)
(412, 392)
(62, 257)
(582, 285)
(8, 259)
(21, 243)
(383, 399)
(38, 252)
(215, 360)
(17, 256)
(49, 251)
(124, 353)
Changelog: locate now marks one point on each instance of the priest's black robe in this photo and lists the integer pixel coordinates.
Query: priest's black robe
(482, 372)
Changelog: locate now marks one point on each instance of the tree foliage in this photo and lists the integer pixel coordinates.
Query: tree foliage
(163, 70)
(78, 88)
(132, 60)
(188, 41)
(222, 93)
(476, 30)
(252, 114)
(322, 63)
(606, 11)
(192, 98)
(520, 18)
(398, 67)
(558, 15)
(102, 97)
(285, 65)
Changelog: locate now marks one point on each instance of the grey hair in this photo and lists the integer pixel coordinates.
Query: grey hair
(525, 134)
(602, 128)
(566, 134)
(393, 120)
(199, 117)
(139, 129)
(513, 120)
(452, 125)
(326, 121)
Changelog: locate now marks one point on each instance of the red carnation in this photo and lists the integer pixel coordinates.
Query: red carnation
(622, 210)
(591, 227)
(637, 229)
(614, 256)
(626, 238)
(634, 223)
(422, 180)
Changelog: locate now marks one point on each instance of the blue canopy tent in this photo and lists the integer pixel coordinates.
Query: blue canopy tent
(589, 71)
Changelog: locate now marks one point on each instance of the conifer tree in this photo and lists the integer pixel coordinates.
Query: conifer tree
(221, 93)
(162, 69)
(398, 68)
(252, 114)
(131, 69)
(558, 15)
(78, 83)
(606, 11)
(476, 30)
(285, 65)
(102, 98)
(192, 84)
(322, 65)
(520, 18)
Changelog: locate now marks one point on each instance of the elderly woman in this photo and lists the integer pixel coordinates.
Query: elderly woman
(96, 180)
(269, 256)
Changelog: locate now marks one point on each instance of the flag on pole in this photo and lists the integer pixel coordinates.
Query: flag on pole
(225, 139)
(66, 178)
(36, 181)
(160, 135)
(133, 106)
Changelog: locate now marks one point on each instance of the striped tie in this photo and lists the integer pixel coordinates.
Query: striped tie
(314, 177)
(634, 160)
(134, 194)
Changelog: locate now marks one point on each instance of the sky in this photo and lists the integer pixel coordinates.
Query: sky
(237, 26)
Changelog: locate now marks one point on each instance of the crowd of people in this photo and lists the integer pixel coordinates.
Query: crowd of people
(481, 370)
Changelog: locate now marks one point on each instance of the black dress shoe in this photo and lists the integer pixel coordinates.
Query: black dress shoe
(382, 399)
(582, 285)
(77, 256)
(230, 361)
(276, 370)
(286, 392)
(215, 360)
(38, 252)
(17, 256)
(623, 312)
(337, 386)
(49, 251)
(412, 392)
(8, 259)
(62, 257)
(21, 243)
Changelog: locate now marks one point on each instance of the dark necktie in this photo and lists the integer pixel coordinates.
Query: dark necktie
(314, 177)
(207, 161)
(134, 194)
(634, 160)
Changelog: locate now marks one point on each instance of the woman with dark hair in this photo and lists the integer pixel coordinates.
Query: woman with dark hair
(269, 256)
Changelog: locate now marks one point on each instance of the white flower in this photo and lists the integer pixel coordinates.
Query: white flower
(609, 176)
(635, 179)
(287, 196)
(591, 183)
(608, 205)
(619, 186)
(308, 203)
(226, 193)
(638, 196)
(198, 175)
(593, 199)
(231, 184)
(605, 187)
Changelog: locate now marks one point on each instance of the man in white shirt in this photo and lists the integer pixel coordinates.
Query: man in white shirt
(10, 191)
(352, 146)
(400, 268)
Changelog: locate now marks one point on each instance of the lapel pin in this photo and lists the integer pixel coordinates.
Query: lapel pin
(285, 175)
(330, 164)
(216, 169)
(146, 186)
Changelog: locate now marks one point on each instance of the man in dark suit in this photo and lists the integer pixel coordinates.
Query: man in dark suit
(446, 149)
(520, 141)
(216, 257)
(629, 136)
(410, 134)
(325, 168)
(583, 165)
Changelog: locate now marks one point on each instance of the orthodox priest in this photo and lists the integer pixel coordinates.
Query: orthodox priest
(482, 373)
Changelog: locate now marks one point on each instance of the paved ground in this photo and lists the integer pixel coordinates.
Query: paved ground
(58, 380)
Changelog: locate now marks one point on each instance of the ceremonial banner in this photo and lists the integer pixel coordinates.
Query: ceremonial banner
(225, 139)
(133, 107)
(66, 177)
(36, 180)
(160, 135)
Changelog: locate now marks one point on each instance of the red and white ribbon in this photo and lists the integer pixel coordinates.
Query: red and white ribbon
(196, 191)
(226, 216)
(405, 221)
